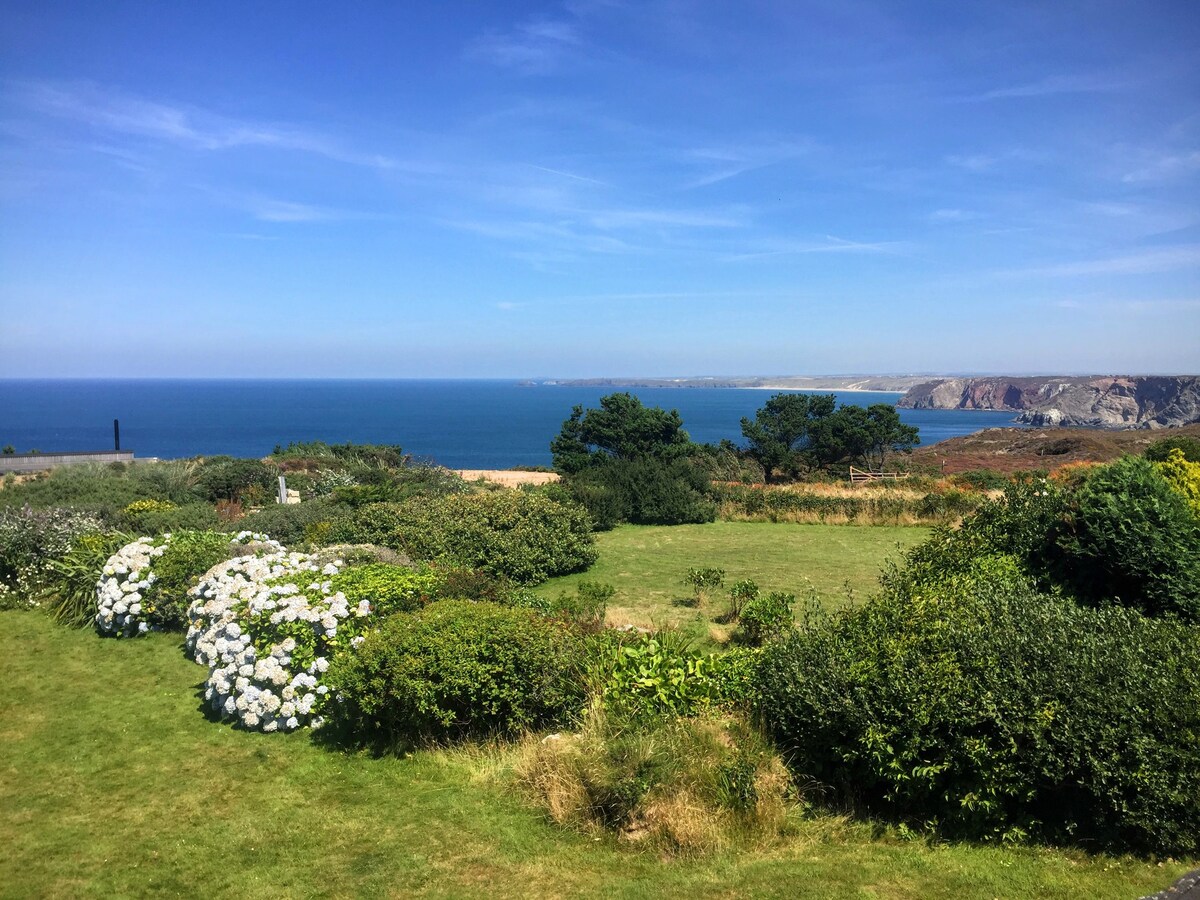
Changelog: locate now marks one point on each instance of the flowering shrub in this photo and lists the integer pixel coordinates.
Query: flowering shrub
(119, 591)
(30, 540)
(144, 584)
(267, 626)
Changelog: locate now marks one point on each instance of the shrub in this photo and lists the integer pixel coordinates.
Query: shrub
(703, 581)
(105, 491)
(162, 516)
(980, 707)
(683, 786)
(456, 669)
(1160, 451)
(248, 480)
(740, 594)
(389, 589)
(520, 535)
(290, 523)
(1184, 477)
(982, 479)
(144, 585)
(267, 629)
(586, 608)
(644, 492)
(1132, 539)
(766, 618)
(30, 540)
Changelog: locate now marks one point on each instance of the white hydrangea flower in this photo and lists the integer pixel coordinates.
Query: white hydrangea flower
(265, 629)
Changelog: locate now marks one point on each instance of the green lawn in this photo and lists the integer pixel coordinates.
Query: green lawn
(646, 564)
(113, 783)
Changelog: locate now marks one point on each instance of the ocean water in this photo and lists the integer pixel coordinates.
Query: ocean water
(461, 424)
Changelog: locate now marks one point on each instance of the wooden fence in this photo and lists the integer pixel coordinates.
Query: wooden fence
(858, 476)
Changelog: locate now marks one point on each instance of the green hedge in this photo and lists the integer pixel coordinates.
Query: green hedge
(521, 535)
(973, 703)
(456, 669)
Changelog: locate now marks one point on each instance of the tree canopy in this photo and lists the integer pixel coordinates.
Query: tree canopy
(795, 432)
(622, 428)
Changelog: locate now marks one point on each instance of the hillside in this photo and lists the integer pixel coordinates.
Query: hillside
(1017, 449)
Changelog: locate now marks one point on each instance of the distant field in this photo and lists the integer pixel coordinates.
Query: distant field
(646, 564)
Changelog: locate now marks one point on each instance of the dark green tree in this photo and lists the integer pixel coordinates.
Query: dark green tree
(790, 432)
(868, 436)
(622, 428)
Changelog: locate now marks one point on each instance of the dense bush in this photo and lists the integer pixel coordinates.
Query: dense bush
(783, 504)
(521, 535)
(249, 480)
(1184, 477)
(765, 618)
(455, 669)
(162, 516)
(292, 524)
(1160, 451)
(974, 704)
(266, 625)
(1131, 538)
(645, 491)
(389, 589)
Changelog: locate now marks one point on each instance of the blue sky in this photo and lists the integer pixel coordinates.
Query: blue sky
(598, 188)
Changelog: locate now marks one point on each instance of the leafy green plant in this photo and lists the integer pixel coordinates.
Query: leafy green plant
(740, 594)
(654, 676)
(1131, 538)
(189, 555)
(704, 580)
(1160, 450)
(70, 589)
(455, 669)
(766, 618)
(389, 589)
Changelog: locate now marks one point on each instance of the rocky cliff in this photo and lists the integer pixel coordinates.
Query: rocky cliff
(1138, 401)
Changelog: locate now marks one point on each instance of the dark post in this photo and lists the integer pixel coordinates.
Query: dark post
(116, 434)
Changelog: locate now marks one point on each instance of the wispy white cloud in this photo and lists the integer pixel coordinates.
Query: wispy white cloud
(115, 112)
(1164, 167)
(615, 219)
(829, 244)
(1052, 85)
(942, 216)
(1165, 260)
(534, 47)
(725, 162)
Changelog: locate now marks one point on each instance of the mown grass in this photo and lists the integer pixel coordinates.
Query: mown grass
(113, 783)
(647, 564)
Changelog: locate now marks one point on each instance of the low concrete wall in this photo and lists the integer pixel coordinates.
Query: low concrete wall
(39, 462)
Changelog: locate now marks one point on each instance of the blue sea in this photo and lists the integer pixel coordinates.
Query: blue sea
(459, 424)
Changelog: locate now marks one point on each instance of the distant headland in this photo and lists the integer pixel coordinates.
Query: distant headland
(1097, 401)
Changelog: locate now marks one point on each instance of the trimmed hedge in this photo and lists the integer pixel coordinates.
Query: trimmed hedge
(456, 669)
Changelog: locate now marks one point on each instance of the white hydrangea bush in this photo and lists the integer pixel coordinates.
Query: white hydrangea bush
(126, 577)
(266, 626)
(123, 608)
